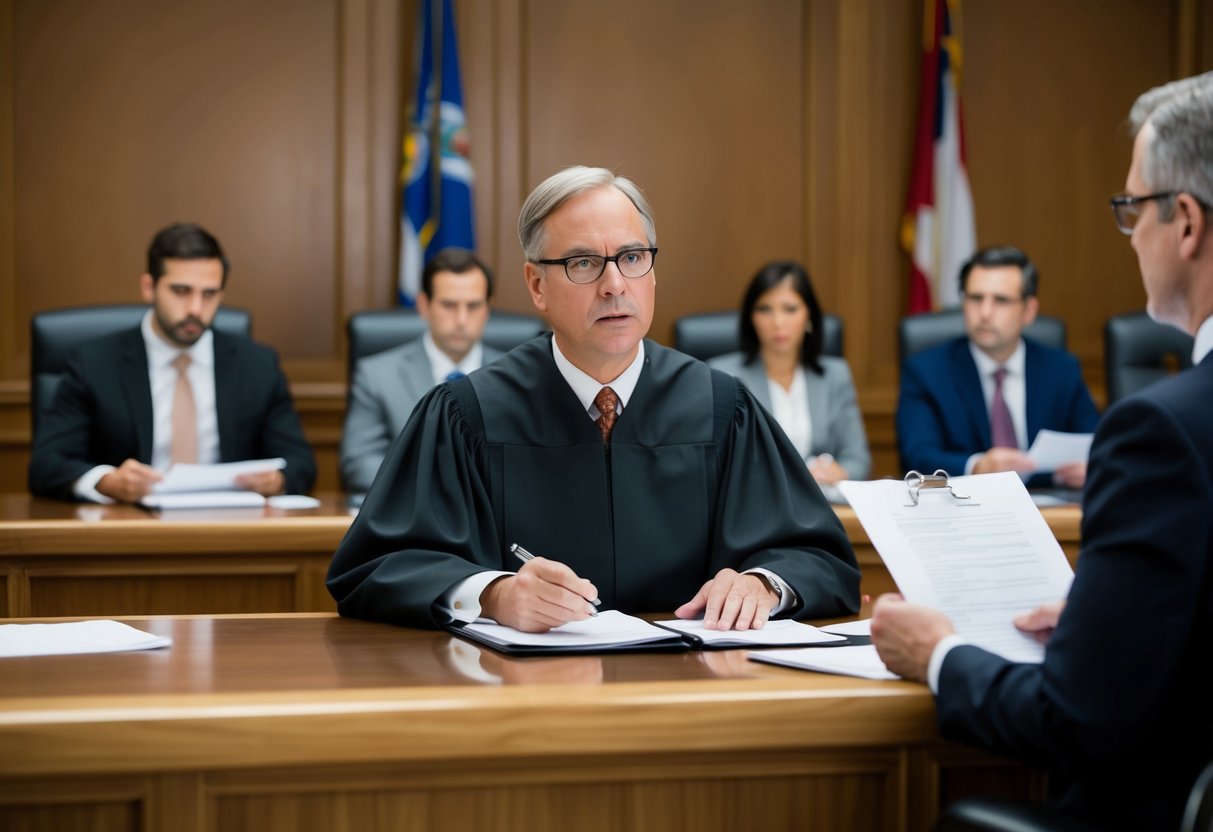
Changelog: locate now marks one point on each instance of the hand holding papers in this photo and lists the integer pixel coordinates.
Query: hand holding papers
(979, 561)
(1052, 449)
(210, 486)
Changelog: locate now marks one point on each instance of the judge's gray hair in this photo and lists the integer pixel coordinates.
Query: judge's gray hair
(1179, 155)
(558, 189)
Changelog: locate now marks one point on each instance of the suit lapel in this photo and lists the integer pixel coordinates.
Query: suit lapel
(134, 377)
(754, 376)
(968, 389)
(819, 397)
(1036, 389)
(227, 371)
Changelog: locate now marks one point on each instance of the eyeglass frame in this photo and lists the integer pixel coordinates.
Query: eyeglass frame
(564, 263)
(1123, 201)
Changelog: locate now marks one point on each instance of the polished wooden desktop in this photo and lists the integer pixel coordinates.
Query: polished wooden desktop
(313, 722)
(61, 558)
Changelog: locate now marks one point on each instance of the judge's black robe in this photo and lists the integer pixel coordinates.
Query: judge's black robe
(648, 518)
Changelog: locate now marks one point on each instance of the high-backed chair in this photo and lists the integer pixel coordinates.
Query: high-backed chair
(1138, 352)
(916, 333)
(376, 330)
(54, 334)
(708, 334)
(978, 814)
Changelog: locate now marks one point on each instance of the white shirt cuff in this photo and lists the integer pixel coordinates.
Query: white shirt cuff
(970, 463)
(86, 487)
(937, 656)
(462, 602)
(788, 597)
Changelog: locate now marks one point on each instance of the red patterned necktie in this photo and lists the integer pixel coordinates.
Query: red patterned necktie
(1002, 427)
(605, 401)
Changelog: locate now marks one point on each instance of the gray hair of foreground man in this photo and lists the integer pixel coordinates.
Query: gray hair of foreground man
(1179, 156)
(558, 189)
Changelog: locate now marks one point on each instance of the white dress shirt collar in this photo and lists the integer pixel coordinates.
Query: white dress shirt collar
(586, 387)
(161, 353)
(986, 365)
(441, 364)
(1203, 344)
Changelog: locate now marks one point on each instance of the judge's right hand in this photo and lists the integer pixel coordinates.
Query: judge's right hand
(129, 482)
(544, 594)
(1042, 621)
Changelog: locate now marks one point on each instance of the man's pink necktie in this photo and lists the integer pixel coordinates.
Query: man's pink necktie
(1002, 428)
(184, 444)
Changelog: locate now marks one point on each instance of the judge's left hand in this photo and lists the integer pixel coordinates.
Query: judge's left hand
(905, 635)
(266, 483)
(731, 601)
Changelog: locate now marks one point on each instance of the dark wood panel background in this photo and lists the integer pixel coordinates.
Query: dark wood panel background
(767, 129)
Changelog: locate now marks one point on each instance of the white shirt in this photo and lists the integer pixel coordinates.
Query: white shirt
(790, 409)
(1014, 392)
(462, 602)
(441, 364)
(1203, 344)
(162, 379)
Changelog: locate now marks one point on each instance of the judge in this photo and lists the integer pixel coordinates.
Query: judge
(638, 475)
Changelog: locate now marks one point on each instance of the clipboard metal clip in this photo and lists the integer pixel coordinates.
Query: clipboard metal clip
(915, 482)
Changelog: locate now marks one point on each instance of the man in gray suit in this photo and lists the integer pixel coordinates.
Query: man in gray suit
(454, 300)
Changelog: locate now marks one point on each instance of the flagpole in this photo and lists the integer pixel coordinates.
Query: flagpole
(436, 37)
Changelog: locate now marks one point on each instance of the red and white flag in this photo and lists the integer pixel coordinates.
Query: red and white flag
(938, 230)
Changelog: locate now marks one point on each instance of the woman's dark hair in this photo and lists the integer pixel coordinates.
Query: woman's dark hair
(767, 278)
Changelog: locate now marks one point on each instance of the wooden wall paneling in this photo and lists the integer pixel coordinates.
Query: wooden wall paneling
(859, 125)
(134, 114)
(701, 104)
(1047, 87)
(10, 321)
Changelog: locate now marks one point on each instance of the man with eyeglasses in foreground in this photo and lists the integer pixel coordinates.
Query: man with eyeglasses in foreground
(1118, 713)
(974, 404)
(636, 474)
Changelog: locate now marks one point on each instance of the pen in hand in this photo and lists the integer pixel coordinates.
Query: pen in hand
(524, 556)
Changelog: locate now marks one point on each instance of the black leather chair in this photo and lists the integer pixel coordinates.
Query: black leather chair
(916, 333)
(979, 814)
(376, 330)
(708, 334)
(54, 334)
(1139, 352)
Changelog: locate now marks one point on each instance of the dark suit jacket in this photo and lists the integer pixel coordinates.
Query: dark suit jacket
(102, 413)
(1119, 712)
(942, 418)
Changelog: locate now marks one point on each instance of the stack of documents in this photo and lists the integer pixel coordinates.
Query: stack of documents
(75, 637)
(209, 486)
(612, 631)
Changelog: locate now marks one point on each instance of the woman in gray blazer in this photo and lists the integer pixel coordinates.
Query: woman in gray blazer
(811, 395)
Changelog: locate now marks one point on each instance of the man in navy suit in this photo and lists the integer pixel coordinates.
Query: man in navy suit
(973, 405)
(1118, 713)
(109, 435)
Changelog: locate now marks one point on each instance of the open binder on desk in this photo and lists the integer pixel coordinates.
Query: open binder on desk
(975, 548)
(613, 631)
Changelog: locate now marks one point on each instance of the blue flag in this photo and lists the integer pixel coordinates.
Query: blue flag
(437, 173)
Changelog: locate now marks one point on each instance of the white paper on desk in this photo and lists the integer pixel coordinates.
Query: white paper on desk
(859, 661)
(220, 477)
(782, 632)
(204, 499)
(1052, 449)
(862, 627)
(610, 628)
(980, 561)
(75, 637)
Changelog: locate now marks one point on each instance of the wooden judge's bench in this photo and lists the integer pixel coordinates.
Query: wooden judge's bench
(61, 558)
